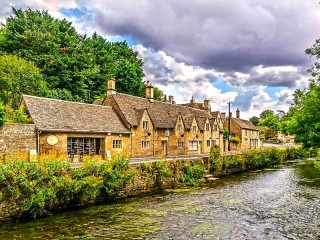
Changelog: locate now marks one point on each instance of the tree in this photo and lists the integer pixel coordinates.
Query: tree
(254, 120)
(266, 113)
(19, 76)
(75, 66)
(304, 115)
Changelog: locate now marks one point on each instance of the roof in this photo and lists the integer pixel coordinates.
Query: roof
(162, 114)
(65, 116)
(245, 124)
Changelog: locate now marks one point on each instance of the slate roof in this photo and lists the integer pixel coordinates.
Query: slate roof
(65, 116)
(245, 124)
(163, 115)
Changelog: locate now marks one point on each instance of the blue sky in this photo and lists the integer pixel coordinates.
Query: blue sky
(248, 52)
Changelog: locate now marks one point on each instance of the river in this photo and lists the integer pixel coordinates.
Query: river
(278, 203)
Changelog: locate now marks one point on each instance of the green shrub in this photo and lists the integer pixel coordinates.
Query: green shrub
(214, 158)
(53, 184)
(192, 173)
(235, 140)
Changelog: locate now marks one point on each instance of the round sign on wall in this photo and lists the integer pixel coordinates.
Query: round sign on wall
(52, 140)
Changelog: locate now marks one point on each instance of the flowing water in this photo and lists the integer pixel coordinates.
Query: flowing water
(279, 203)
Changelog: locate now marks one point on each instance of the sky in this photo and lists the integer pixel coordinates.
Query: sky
(247, 52)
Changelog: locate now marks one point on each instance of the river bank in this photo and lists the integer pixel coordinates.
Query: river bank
(274, 203)
(38, 189)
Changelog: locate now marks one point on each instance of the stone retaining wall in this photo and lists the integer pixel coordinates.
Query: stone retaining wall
(17, 138)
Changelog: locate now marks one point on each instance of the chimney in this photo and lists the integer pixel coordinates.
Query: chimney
(230, 115)
(111, 87)
(164, 98)
(149, 91)
(206, 105)
(192, 100)
(171, 99)
(223, 115)
(238, 113)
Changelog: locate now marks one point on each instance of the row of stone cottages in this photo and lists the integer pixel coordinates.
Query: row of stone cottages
(121, 123)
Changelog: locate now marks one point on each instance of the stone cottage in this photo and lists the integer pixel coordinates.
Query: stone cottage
(71, 129)
(245, 131)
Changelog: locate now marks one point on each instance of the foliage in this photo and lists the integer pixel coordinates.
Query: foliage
(256, 159)
(225, 133)
(2, 114)
(75, 66)
(192, 173)
(235, 140)
(304, 115)
(19, 76)
(317, 164)
(254, 120)
(53, 184)
(16, 116)
(157, 94)
(270, 120)
(305, 121)
(214, 158)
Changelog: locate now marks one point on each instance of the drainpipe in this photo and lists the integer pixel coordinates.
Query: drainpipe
(131, 150)
(38, 142)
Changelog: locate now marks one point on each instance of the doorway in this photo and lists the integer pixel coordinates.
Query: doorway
(164, 148)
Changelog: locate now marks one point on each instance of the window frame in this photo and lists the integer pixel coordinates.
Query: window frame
(145, 125)
(193, 145)
(145, 144)
(116, 144)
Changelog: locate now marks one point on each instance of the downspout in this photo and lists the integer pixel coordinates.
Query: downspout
(38, 142)
(131, 140)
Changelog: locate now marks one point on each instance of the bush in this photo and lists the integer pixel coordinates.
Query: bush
(192, 173)
(214, 158)
(53, 184)
(235, 140)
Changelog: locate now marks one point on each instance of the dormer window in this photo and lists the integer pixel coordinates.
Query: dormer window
(145, 125)
(194, 129)
(179, 128)
(207, 127)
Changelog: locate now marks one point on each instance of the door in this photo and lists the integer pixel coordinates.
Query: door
(200, 146)
(164, 148)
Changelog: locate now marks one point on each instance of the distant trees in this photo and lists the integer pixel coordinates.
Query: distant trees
(254, 120)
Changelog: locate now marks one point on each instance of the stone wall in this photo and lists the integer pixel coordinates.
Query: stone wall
(17, 138)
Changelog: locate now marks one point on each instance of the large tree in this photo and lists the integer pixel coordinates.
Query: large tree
(304, 115)
(19, 76)
(75, 66)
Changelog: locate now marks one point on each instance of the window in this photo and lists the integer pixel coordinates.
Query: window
(145, 125)
(145, 144)
(193, 145)
(215, 127)
(214, 143)
(246, 132)
(180, 144)
(117, 144)
(83, 146)
(179, 127)
(208, 143)
(194, 129)
(207, 127)
(246, 140)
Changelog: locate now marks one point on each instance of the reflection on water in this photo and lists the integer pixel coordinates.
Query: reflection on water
(278, 203)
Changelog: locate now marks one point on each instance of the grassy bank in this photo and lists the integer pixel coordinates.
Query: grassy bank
(52, 184)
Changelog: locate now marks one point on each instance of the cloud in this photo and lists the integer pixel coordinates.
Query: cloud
(224, 35)
(280, 76)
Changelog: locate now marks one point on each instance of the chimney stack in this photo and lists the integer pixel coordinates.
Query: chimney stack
(238, 113)
(192, 100)
(223, 115)
(171, 101)
(230, 115)
(206, 105)
(111, 87)
(149, 91)
(164, 98)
